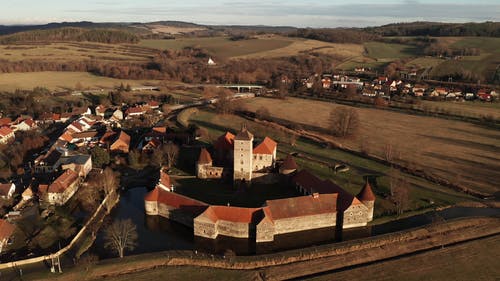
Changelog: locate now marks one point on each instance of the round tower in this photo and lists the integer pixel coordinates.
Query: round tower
(367, 197)
(289, 166)
(204, 161)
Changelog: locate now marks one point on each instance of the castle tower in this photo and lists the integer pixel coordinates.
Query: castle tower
(289, 166)
(243, 155)
(367, 197)
(204, 162)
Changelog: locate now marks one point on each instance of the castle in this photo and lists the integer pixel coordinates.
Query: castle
(322, 203)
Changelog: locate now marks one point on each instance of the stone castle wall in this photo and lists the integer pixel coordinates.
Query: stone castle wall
(262, 161)
(355, 216)
(208, 171)
(302, 223)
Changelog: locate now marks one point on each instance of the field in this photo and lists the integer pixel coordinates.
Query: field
(76, 51)
(461, 152)
(387, 51)
(263, 46)
(62, 81)
(472, 109)
(474, 260)
(421, 191)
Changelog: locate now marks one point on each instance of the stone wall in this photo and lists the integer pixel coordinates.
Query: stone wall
(302, 223)
(265, 231)
(235, 229)
(209, 172)
(205, 228)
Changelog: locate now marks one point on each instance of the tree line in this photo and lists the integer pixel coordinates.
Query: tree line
(110, 36)
(335, 35)
(488, 29)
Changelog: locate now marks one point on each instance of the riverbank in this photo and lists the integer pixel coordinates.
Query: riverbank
(301, 262)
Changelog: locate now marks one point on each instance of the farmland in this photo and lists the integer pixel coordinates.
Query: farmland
(262, 47)
(62, 81)
(76, 51)
(461, 152)
(421, 190)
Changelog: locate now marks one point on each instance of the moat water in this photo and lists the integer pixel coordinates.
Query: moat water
(160, 234)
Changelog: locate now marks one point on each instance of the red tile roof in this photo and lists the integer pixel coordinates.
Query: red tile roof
(267, 146)
(205, 157)
(175, 200)
(301, 206)
(66, 136)
(5, 131)
(366, 193)
(161, 130)
(63, 182)
(6, 229)
(5, 121)
(234, 214)
(225, 142)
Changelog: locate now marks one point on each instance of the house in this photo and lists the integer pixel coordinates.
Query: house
(117, 115)
(76, 127)
(48, 162)
(151, 145)
(121, 144)
(7, 190)
(25, 125)
(157, 133)
(6, 135)
(469, 96)
(326, 82)
(5, 122)
(80, 163)
(211, 62)
(153, 104)
(264, 155)
(135, 111)
(100, 110)
(62, 189)
(6, 232)
(86, 137)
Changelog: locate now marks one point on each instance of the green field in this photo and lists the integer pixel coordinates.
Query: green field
(421, 191)
(390, 51)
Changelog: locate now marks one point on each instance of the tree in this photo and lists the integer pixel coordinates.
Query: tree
(133, 158)
(224, 101)
(100, 157)
(400, 191)
(121, 235)
(344, 122)
(171, 150)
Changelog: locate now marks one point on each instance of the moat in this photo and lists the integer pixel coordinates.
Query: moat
(159, 234)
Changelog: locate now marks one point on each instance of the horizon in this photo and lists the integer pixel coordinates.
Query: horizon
(293, 13)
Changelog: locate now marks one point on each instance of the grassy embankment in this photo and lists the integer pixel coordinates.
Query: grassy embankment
(460, 152)
(421, 191)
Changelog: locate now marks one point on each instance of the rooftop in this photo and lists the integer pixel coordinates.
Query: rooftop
(267, 146)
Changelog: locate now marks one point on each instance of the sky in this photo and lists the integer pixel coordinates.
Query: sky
(299, 13)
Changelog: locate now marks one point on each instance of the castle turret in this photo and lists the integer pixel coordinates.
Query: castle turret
(367, 197)
(243, 155)
(204, 162)
(289, 166)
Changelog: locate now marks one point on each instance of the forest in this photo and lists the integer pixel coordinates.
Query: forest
(488, 29)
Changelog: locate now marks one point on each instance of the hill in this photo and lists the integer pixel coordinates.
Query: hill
(488, 29)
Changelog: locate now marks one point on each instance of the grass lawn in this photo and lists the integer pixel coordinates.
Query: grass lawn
(384, 51)
(461, 152)
(62, 81)
(421, 191)
(476, 260)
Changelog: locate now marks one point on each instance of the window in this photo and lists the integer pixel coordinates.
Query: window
(241, 162)
(260, 157)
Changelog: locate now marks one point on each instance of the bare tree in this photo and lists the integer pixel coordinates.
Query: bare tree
(108, 182)
(344, 121)
(171, 150)
(224, 103)
(121, 235)
(400, 190)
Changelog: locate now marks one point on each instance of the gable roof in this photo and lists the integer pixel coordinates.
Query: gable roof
(5, 121)
(205, 157)
(5, 131)
(233, 214)
(6, 229)
(176, 200)
(123, 137)
(301, 206)
(63, 181)
(267, 146)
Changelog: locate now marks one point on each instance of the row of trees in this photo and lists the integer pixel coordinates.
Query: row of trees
(490, 29)
(110, 36)
(335, 35)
